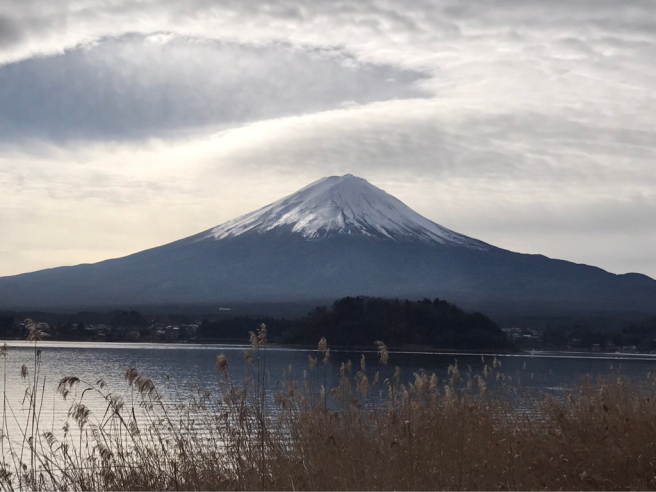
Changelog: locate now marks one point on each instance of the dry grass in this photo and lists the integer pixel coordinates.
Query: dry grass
(467, 432)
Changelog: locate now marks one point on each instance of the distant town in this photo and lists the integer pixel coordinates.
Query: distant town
(133, 330)
(584, 340)
(224, 327)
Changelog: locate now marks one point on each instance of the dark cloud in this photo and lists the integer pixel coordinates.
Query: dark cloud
(10, 32)
(135, 87)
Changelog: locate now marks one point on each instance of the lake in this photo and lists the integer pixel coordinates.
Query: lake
(179, 371)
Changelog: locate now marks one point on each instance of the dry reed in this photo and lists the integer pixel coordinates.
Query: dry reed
(467, 432)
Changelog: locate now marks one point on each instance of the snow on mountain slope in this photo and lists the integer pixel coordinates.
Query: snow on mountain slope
(343, 205)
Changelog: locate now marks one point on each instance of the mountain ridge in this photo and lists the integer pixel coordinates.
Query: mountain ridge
(342, 205)
(323, 244)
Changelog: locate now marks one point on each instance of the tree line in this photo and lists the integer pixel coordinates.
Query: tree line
(357, 321)
(640, 334)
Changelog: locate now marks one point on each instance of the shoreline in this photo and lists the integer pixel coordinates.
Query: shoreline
(22, 343)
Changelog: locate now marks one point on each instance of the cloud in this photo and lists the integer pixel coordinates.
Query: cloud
(136, 87)
(10, 33)
(525, 123)
(439, 140)
(518, 182)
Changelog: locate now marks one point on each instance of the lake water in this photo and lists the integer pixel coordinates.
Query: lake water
(179, 370)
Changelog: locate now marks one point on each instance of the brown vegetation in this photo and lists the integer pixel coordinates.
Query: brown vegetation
(472, 432)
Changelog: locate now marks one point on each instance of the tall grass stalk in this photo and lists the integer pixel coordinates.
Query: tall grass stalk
(465, 432)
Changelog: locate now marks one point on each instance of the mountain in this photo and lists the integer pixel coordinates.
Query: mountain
(343, 205)
(338, 236)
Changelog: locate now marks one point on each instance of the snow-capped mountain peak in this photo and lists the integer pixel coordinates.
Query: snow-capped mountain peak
(343, 205)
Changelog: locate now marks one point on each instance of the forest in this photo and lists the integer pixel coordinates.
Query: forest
(355, 321)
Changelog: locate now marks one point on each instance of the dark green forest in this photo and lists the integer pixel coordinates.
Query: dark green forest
(358, 321)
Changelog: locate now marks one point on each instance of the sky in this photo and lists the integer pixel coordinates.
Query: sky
(127, 124)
